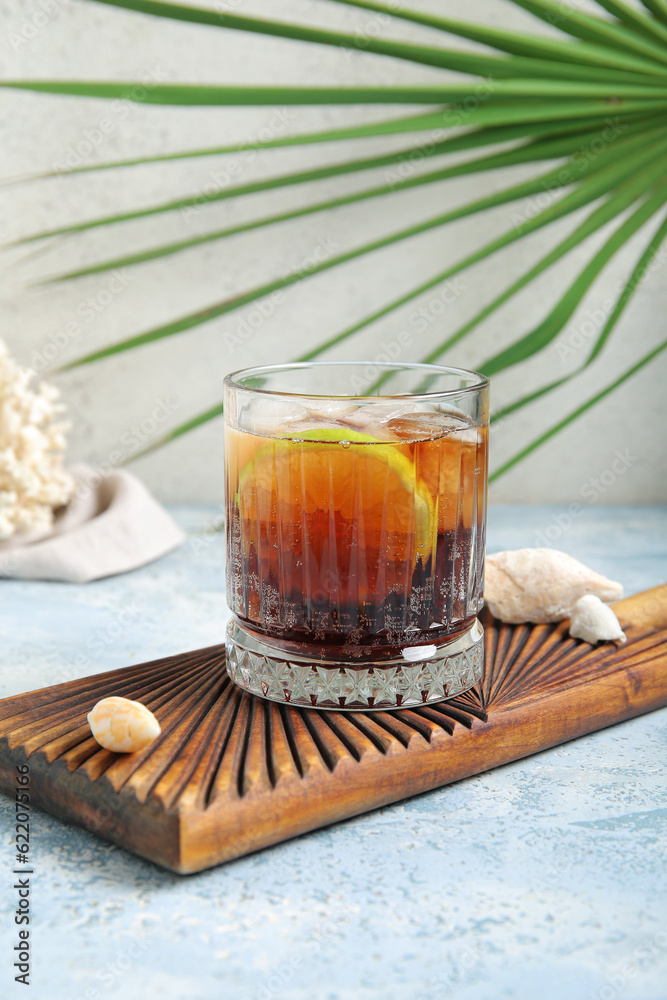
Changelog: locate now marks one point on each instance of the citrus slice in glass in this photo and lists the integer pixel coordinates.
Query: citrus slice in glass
(339, 472)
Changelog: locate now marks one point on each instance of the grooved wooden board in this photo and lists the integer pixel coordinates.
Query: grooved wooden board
(232, 773)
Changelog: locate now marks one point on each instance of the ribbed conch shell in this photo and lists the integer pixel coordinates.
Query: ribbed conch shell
(122, 725)
(541, 585)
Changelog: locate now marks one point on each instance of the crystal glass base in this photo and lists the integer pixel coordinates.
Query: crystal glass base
(424, 675)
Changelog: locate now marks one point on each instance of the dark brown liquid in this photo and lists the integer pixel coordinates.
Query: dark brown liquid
(359, 547)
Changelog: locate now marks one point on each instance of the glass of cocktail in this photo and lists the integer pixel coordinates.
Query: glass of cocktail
(356, 514)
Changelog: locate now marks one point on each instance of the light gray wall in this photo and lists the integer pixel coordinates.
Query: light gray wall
(177, 378)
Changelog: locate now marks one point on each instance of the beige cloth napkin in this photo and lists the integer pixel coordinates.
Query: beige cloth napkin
(111, 525)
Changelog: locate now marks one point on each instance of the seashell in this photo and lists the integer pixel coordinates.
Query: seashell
(122, 725)
(540, 585)
(593, 621)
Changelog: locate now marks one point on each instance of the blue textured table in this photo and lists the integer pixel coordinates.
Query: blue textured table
(541, 879)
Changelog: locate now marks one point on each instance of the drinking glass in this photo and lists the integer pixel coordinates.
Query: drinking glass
(356, 514)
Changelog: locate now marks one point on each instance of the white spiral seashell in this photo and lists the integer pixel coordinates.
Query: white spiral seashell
(594, 621)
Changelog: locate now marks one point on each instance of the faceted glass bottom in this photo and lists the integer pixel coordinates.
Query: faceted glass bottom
(426, 674)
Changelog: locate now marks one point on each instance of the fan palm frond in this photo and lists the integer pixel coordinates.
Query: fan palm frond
(600, 84)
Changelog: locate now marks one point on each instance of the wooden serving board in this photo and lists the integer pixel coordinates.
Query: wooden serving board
(232, 773)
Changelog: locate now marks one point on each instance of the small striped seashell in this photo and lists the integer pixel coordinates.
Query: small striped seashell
(122, 725)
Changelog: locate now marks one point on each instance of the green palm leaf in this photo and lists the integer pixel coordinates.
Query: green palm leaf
(414, 53)
(549, 329)
(638, 274)
(568, 204)
(625, 195)
(635, 19)
(515, 43)
(600, 179)
(531, 96)
(541, 149)
(216, 95)
(510, 41)
(530, 152)
(575, 414)
(594, 29)
(657, 7)
(280, 29)
(587, 192)
(469, 140)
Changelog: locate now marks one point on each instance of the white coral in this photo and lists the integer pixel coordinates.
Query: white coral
(33, 482)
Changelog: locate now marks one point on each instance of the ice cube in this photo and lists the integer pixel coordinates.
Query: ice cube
(327, 410)
(329, 413)
(271, 417)
(384, 412)
(373, 418)
(423, 426)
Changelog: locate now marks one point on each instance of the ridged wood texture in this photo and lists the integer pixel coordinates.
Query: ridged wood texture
(232, 773)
